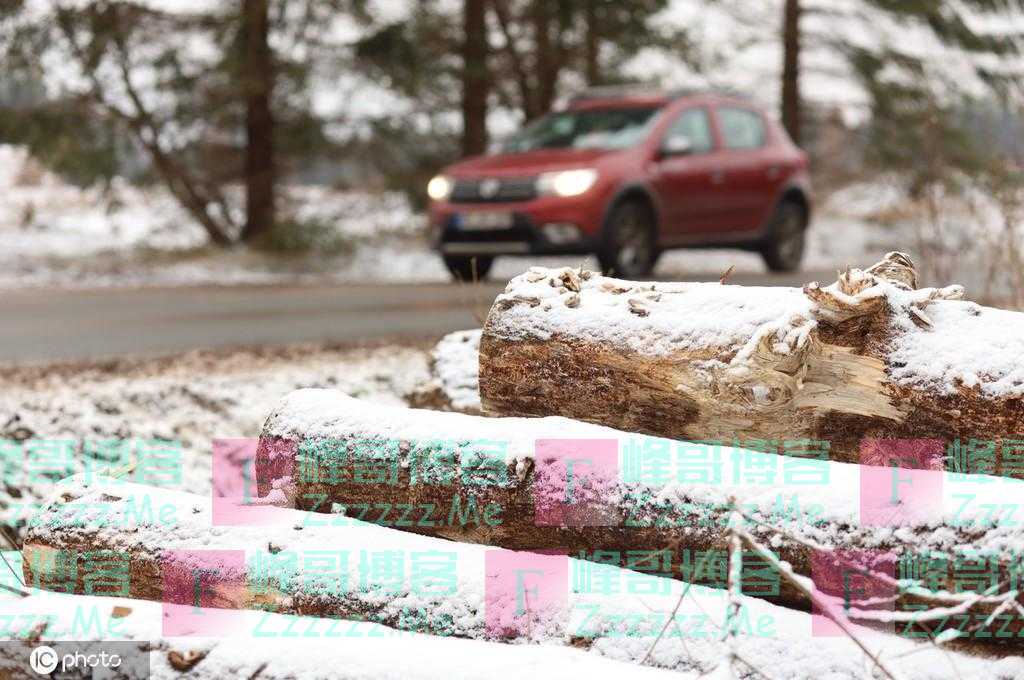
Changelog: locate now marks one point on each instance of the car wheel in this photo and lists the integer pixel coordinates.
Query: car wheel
(783, 250)
(630, 248)
(468, 268)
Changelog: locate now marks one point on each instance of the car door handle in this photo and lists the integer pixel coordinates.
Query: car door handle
(773, 172)
(718, 177)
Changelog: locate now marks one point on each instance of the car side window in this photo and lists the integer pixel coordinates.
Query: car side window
(694, 126)
(741, 128)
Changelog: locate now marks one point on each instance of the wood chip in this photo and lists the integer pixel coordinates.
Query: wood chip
(637, 307)
(185, 662)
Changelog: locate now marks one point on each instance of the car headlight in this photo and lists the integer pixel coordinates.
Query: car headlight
(440, 188)
(566, 183)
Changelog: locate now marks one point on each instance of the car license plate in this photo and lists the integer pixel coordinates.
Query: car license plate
(485, 221)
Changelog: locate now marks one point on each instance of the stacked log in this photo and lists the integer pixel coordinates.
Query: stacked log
(287, 647)
(453, 383)
(870, 357)
(420, 471)
(624, 624)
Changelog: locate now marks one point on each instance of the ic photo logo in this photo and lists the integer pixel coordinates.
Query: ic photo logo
(43, 660)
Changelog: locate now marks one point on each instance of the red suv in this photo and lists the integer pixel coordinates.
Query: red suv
(626, 176)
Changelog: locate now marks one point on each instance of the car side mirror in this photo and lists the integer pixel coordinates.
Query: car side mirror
(677, 146)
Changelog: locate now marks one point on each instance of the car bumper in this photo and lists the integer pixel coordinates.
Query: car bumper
(524, 237)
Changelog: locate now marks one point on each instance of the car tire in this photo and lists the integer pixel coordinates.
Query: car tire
(783, 248)
(468, 269)
(629, 246)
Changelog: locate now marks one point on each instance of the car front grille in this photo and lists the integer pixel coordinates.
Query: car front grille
(496, 190)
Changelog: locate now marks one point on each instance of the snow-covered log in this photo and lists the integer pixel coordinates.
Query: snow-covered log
(282, 647)
(618, 614)
(453, 384)
(871, 356)
(504, 482)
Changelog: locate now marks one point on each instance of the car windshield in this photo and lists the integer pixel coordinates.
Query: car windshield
(588, 129)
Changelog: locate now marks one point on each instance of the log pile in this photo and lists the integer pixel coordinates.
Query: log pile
(420, 471)
(872, 356)
(586, 627)
(606, 623)
(671, 395)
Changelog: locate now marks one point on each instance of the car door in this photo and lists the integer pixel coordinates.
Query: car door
(688, 177)
(751, 183)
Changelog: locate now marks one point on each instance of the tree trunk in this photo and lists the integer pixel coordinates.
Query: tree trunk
(856, 365)
(475, 78)
(508, 481)
(592, 44)
(258, 83)
(791, 38)
(546, 62)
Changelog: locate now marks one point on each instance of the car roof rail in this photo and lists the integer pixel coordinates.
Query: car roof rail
(651, 91)
(618, 91)
(679, 93)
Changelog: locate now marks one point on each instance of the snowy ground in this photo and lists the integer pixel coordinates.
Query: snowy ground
(189, 400)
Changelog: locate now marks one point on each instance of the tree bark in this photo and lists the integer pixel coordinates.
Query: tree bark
(258, 83)
(850, 364)
(475, 78)
(791, 44)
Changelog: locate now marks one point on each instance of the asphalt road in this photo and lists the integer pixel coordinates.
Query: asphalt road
(68, 325)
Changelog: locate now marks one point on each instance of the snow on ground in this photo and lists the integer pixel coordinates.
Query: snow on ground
(189, 400)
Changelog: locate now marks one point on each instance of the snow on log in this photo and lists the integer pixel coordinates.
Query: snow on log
(505, 481)
(871, 356)
(619, 614)
(453, 384)
(281, 647)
